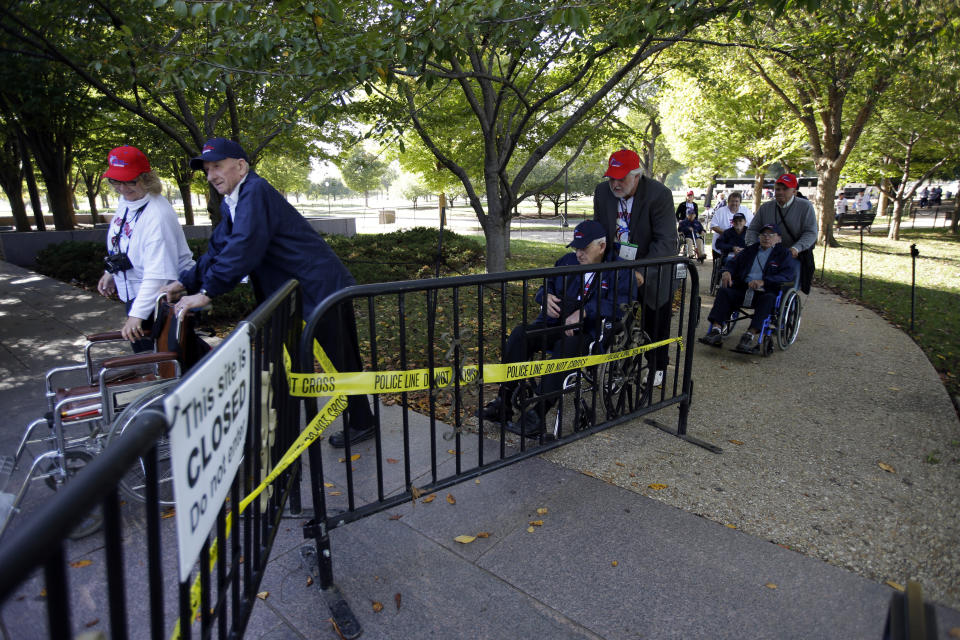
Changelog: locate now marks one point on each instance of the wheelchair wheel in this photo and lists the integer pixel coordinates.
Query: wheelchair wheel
(73, 461)
(766, 348)
(133, 483)
(788, 319)
(623, 383)
(714, 276)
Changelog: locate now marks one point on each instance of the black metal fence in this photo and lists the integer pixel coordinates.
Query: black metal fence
(135, 558)
(433, 358)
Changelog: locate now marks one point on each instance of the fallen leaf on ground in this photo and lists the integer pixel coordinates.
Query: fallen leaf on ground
(955, 632)
(542, 510)
(91, 623)
(453, 452)
(530, 529)
(886, 467)
(770, 585)
(895, 585)
(336, 628)
(263, 595)
(477, 481)
(619, 464)
(309, 580)
(415, 492)
(397, 598)
(613, 564)
(731, 526)
(430, 498)
(392, 461)
(336, 493)
(465, 539)
(377, 607)
(451, 499)
(483, 534)
(656, 486)
(396, 516)
(536, 523)
(328, 484)
(737, 442)
(353, 458)
(168, 513)
(81, 563)
(43, 593)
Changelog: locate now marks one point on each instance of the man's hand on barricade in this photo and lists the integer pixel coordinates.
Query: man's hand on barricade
(573, 318)
(196, 301)
(726, 279)
(174, 291)
(639, 277)
(553, 306)
(107, 285)
(132, 329)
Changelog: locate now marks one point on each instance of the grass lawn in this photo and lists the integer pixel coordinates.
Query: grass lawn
(887, 289)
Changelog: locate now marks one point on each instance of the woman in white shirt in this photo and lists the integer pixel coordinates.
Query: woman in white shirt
(146, 246)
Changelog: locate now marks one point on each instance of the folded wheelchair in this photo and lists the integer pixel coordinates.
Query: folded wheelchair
(91, 404)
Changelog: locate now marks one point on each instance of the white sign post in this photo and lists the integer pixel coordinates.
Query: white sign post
(208, 415)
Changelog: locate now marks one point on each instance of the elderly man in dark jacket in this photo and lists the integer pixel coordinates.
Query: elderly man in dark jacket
(571, 312)
(753, 278)
(263, 236)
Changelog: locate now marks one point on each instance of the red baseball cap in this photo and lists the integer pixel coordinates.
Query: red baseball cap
(126, 163)
(621, 163)
(788, 180)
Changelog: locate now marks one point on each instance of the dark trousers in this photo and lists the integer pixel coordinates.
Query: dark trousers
(337, 334)
(729, 299)
(527, 340)
(656, 323)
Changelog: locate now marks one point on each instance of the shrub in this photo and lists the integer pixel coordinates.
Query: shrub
(79, 263)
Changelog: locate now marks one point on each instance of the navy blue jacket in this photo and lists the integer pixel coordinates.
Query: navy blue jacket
(690, 228)
(271, 242)
(615, 287)
(781, 267)
(730, 239)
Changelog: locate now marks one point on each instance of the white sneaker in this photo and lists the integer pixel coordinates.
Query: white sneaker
(658, 378)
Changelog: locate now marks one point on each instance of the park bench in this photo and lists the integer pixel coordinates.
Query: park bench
(856, 219)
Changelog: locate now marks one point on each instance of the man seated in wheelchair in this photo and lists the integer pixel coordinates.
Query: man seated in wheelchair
(692, 231)
(573, 309)
(733, 240)
(752, 279)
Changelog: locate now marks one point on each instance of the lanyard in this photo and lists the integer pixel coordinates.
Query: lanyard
(115, 241)
(623, 221)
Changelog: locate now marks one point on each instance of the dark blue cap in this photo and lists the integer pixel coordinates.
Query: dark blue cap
(771, 226)
(217, 149)
(585, 233)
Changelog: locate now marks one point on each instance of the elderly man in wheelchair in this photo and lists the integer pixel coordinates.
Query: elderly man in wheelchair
(574, 309)
(757, 277)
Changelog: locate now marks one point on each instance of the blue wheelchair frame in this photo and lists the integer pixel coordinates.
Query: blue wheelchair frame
(782, 325)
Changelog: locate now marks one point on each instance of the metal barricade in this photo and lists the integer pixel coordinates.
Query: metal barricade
(221, 593)
(436, 345)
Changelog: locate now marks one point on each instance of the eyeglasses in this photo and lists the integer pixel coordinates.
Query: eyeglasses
(125, 183)
(768, 234)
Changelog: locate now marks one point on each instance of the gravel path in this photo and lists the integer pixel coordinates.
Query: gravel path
(845, 447)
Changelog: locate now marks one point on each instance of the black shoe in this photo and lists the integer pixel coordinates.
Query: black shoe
(494, 410)
(356, 435)
(749, 344)
(714, 338)
(533, 425)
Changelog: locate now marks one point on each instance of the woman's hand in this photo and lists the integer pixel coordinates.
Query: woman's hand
(107, 286)
(132, 329)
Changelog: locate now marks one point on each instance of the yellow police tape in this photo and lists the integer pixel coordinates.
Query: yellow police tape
(312, 385)
(340, 385)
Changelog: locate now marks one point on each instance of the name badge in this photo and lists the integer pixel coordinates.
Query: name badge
(628, 251)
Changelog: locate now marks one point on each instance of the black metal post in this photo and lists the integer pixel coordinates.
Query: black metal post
(566, 196)
(823, 261)
(861, 221)
(914, 253)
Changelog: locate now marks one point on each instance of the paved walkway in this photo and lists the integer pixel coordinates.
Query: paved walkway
(614, 558)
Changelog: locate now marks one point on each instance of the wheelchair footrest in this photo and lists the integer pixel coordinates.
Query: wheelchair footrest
(6, 470)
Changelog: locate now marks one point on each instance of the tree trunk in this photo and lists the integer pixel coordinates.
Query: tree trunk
(828, 177)
(187, 199)
(955, 219)
(884, 201)
(213, 205)
(32, 189)
(708, 196)
(894, 232)
(539, 200)
(61, 204)
(12, 183)
(88, 182)
(757, 191)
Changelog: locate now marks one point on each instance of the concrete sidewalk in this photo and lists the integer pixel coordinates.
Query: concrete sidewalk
(607, 562)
